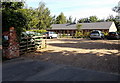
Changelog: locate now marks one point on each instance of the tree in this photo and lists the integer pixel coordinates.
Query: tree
(43, 15)
(110, 18)
(117, 8)
(12, 17)
(117, 22)
(93, 18)
(84, 20)
(117, 18)
(78, 27)
(69, 20)
(78, 33)
(74, 21)
(54, 19)
(61, 19)
(31, 18)
(101, 20)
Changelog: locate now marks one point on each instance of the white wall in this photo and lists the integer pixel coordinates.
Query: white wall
(112, 28)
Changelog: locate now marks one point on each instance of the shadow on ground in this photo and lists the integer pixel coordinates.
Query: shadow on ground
(106, 62)
(88, 45)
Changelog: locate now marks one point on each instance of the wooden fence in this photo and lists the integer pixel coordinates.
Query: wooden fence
(30, 44)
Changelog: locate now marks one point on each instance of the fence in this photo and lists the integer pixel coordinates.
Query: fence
(30, 44)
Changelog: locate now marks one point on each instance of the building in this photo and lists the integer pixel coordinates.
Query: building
(86, 27)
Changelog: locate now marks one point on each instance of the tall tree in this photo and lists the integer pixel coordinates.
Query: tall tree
(54, 19)
(61, 19)
(44, 17)
(31, 16)
(117, 18)
(117, 8)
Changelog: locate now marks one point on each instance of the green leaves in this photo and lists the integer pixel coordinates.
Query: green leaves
(44, 17)
(61, 19)
(11, 16)
(93, 18)
(78, 27)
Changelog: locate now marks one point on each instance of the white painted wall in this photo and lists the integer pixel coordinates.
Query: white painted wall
(112, 28)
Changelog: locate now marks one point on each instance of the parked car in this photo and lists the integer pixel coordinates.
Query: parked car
(96, 34)
(113, 35)
(50, 34)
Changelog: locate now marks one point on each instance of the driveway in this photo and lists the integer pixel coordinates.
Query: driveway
(22, 69)
(98, 55)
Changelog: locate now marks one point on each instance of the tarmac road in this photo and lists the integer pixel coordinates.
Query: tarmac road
(33, 70)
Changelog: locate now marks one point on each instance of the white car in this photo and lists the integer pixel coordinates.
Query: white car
(51, 35)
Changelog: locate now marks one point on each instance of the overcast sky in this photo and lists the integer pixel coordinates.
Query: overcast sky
(78, 8)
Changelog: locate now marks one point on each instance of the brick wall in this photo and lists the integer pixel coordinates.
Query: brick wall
(10, 46)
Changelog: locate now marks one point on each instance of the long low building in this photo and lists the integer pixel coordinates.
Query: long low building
(85, 27)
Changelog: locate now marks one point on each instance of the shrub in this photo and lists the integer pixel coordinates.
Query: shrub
(39, 31)
(105, 33)
(78, 34)
(64, 35)
(86, 34)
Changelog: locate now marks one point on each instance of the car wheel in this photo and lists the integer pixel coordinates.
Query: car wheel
(91, 38)
(50, 37)
(102, 38)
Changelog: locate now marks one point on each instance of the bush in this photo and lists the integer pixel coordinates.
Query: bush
(86, 34)
(64, 35)
(39, 31)
(78, 34)
(105, 33)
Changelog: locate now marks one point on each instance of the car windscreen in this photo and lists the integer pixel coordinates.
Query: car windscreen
(52, 33)
(112, 33)
(94, 33)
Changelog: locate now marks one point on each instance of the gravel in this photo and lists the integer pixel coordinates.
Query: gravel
(99, 55)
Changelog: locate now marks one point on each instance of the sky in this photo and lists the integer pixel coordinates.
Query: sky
(78, 8)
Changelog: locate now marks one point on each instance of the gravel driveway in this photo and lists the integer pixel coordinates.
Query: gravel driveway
(99, 55)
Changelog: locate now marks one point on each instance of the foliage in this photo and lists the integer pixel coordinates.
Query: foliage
(84, 20)
(31, 16)
(105, 33)
(69, 20)
(116, 9)
(79, 34)
(45, 20)
(61, 19)
(86, 34)
(54, 19)
(39, 31)
(88, 20)
(93, 18)
(24, 19)
(12, 17)
(64, 35)
(74, 22)
(115, 20)
(110, 18)
(78, 27)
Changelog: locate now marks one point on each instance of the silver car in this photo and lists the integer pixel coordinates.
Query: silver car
(96, 35)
